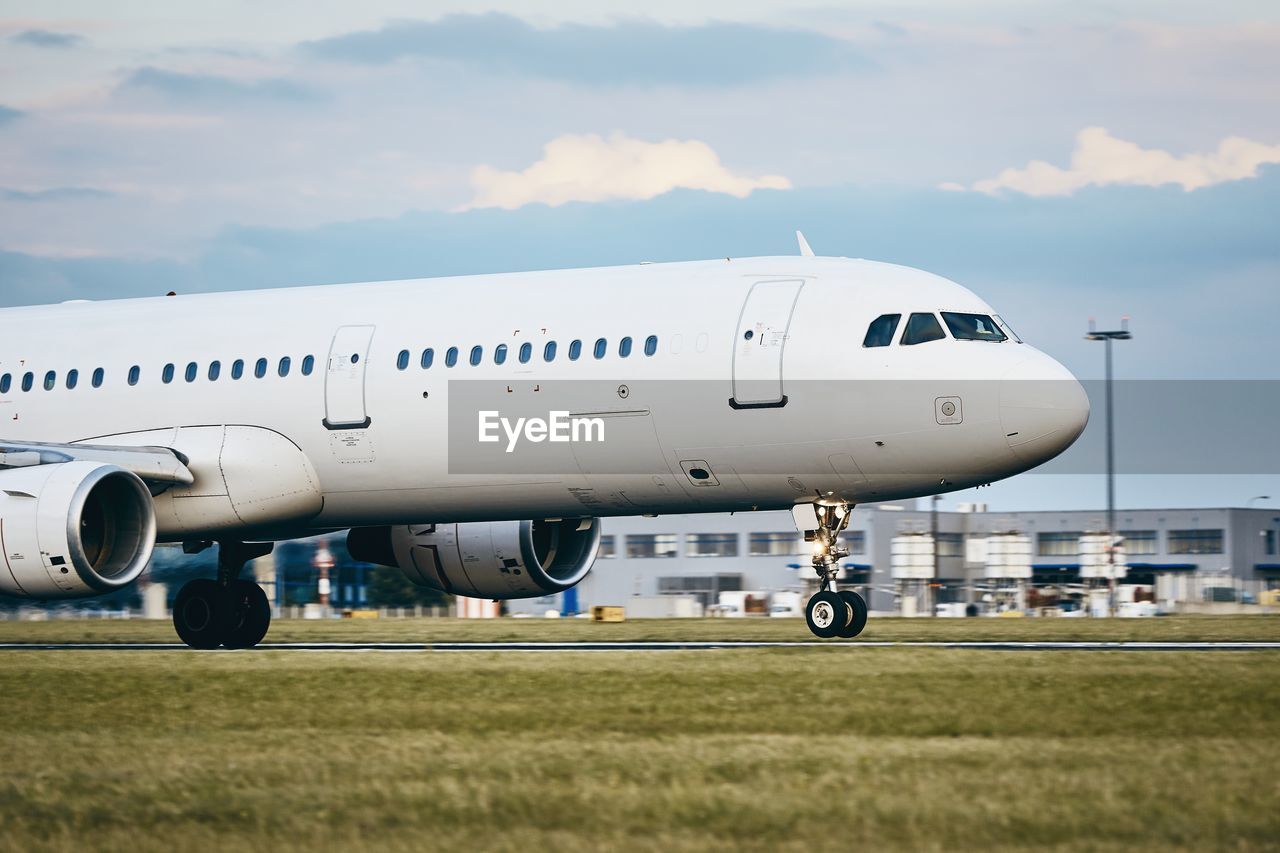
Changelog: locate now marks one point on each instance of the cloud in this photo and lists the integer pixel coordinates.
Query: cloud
(716, 53)
(590, 168)
(8, 115)
(1100, 159)
(48, 38)
(211, 89)
(54, 194)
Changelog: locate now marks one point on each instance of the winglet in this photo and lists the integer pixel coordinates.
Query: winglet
(805, 251)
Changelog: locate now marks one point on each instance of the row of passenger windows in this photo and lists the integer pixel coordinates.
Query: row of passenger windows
(525, 353)
(923, 327)
(284, 366)
(192, 372)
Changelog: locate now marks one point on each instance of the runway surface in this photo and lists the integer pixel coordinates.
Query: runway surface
(669, 646)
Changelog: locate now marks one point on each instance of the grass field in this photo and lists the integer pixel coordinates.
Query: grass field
(1181, 628)
(769, 749)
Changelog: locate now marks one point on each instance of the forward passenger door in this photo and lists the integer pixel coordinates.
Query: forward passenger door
(761, 340)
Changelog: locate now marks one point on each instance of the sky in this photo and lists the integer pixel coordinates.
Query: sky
(1065, 160)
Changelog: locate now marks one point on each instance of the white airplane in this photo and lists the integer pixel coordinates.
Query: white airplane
(472, 431)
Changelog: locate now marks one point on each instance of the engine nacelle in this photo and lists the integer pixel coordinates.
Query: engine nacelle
(73, 529)
(496, 559)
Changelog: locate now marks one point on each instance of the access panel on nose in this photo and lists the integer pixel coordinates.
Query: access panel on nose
(761, 340)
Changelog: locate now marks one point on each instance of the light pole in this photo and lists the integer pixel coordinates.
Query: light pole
(933, 532)
(1121, 334)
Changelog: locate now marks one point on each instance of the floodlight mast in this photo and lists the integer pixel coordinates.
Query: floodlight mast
(1121, 334)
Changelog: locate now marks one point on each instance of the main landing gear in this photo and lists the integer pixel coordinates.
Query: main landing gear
(831, 612)
(228, 611)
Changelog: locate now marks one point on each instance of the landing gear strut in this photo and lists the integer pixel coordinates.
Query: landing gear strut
(831, 612)
(227, 612)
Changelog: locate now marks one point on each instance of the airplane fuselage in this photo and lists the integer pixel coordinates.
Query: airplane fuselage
(753, 372)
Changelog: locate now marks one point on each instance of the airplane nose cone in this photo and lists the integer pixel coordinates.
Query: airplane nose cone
(1043, 409)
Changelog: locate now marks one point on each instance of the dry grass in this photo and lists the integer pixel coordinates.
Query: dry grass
(790, 749)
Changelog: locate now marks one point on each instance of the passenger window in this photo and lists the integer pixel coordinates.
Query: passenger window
(651, 345)
(237, 368)
(880, 332)
(308, 364)
(428, 356)
(477, 353)
(166, 375)
(973, 327)
(193, 370)
(549, 351)
(73, 377)
(98, 375)
(135, 373)
(451, 357)
(260, 368)
(28, 379)
(50, 380)
(215, 370)
(575, 350)
(602, 346)
(5, 382)
(499, 353)
(624, 347)
(402, 360)
(285, 364)
(922, 328)
(526, 352)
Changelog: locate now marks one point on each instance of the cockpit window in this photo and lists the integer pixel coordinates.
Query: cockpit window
(1008, 329)
(922, 328)
(973, 327)
(880, 332)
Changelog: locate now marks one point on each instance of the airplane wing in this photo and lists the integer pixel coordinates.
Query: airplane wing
(156, 466)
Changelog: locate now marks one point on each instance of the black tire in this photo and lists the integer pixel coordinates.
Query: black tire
(247, 615)
(827, 614)
(858, 608)
(198, 614)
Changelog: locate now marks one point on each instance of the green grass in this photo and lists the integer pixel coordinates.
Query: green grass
(771, 749)
(1179, 628)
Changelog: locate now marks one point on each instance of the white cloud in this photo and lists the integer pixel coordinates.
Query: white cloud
(1100, 159)
(589, 167)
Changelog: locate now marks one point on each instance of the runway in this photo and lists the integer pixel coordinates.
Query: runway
(669, 646)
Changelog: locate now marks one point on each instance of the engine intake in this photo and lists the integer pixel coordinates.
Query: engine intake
(73, 529)
(497, 559)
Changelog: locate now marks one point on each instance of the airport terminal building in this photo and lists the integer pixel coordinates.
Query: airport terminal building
(1185, 555)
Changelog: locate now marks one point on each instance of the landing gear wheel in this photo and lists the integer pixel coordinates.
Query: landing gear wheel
(246, 615)
(198, 613)
(858, 609)
(827, 614)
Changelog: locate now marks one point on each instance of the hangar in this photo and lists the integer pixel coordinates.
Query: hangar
(1188, 556)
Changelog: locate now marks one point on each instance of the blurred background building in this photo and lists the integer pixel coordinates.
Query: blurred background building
(1177, 559)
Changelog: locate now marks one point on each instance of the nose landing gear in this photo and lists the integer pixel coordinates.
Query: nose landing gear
(831, 612)
(229, 611)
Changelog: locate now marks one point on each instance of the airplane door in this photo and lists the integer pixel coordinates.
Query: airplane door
(761, 338)
(344, 378)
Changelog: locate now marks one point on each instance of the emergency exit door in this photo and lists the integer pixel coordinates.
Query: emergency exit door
(344, 404)
(760, 345)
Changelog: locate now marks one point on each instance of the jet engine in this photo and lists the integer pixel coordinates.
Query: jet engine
(495, 559)
(73, 529)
